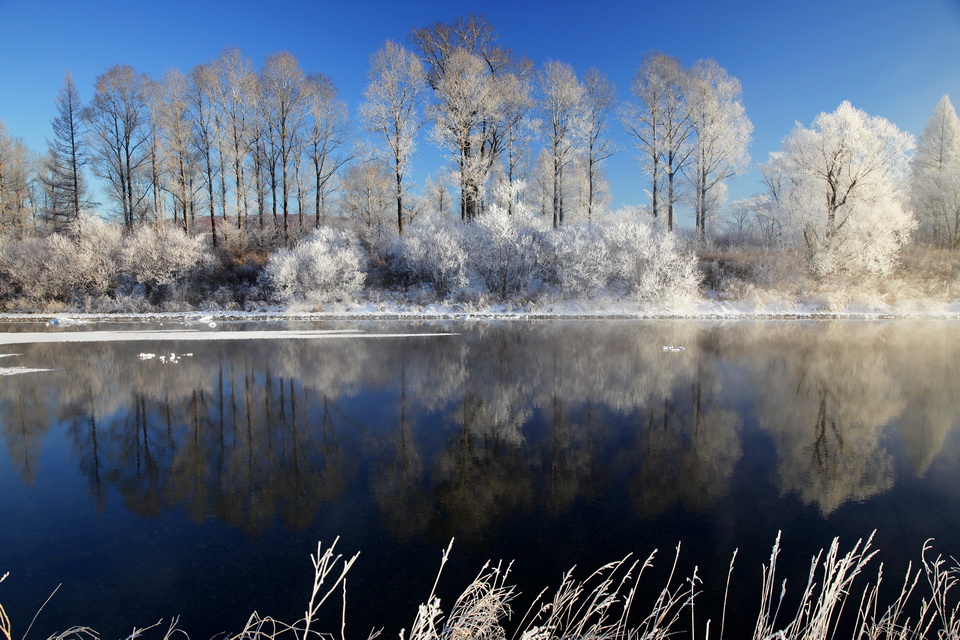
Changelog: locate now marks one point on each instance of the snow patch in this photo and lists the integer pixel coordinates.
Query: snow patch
(166, 336)
(16, 371)
(65, 321)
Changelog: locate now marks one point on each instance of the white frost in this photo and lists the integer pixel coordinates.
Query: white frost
(166, 336)
(15, 371)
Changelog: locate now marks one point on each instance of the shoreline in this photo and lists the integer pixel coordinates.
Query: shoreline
(362, 312)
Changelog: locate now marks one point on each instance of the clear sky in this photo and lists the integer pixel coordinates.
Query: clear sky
(892, 58)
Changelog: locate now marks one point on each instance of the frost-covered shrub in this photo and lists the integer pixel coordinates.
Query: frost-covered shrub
(624, 255)
(99, 250)
(582, 260)
(431, 252)
(159, 254)
(64, 266)
(328, 265)
(41, 269)
(649, 262)
(508, 253)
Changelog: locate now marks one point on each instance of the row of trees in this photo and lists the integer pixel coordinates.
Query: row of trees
(222, 141)
(230, 144)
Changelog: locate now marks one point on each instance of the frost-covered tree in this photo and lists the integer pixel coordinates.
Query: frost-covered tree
(118, 118)
(935, 189)
(325, 139)
(436, 194)
(392, 110)
(285, 100)
(476, 86)
(506, 251)
(659, 121)
(721, 132)
(99, 246)
(203, 91)
(840, 190)
(520, 132)
(66, 155)
(17, 168)
(600, 98)
(366, 191)
(235, 105)
(434, 255)
(624, 255)
(175, 121)
(562, 122)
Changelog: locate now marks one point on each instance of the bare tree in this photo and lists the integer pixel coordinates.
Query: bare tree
(175, 121)
(659, 120)
(203, 92)
(365, 198)
(722, 130)
(17, 165)
(325, 139)
(262, 158)
(392, 110)
(600, 95)
(119, 129)
(237, 86)
(285, 100)
(154, 149)
(66, 156)
(562, 107)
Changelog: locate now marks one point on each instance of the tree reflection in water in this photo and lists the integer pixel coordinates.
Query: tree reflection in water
(489, 422)
(570, 441)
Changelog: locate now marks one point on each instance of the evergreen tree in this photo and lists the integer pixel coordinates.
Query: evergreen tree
(66, 155)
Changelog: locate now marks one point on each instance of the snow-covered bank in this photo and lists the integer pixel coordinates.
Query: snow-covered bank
(31, 337)
(608, 309)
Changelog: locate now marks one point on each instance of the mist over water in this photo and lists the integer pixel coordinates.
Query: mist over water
(199, 488)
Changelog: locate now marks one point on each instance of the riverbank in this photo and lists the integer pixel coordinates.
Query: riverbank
(593, 310)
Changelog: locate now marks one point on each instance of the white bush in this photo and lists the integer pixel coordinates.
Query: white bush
(508, 253)
(99, 252)
(159, 254)
(582, 260)
(325, 266)
(432, 252)
(624, 255)
(649, 262)
(42, 268)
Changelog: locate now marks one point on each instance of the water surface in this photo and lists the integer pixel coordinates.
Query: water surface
(199, 487)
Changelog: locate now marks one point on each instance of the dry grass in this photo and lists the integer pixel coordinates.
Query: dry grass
(924, 278)
(602, 606)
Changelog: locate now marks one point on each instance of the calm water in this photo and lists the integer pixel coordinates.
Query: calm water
(199, 489)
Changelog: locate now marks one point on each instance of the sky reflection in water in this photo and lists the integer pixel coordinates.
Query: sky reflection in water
(199, 488)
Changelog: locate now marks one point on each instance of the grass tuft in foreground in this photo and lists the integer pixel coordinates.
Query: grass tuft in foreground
(602, 605)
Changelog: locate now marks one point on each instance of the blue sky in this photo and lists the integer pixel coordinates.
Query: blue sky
(892, 58)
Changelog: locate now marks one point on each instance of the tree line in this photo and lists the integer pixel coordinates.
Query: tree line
(227, 147)
(236, 144)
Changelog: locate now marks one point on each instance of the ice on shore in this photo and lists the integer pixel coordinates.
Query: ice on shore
(195, 336)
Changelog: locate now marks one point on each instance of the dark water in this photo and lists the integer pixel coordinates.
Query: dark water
(199, 489)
